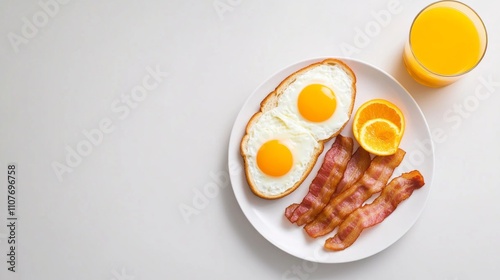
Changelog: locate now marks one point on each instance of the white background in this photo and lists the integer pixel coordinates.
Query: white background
(117, 214)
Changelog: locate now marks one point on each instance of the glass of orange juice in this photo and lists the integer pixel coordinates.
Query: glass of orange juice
(447, 39)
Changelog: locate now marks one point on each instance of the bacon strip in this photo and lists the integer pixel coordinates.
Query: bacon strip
(323, 185)
(369, 215)
(373, 180)
(356, 166)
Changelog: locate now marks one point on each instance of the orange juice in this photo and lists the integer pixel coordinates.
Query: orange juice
(445, 42)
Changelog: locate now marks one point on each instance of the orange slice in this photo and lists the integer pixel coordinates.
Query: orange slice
(378, 126)
(379, 137)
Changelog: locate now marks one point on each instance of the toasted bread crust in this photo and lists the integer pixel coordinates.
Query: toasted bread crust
(270, 102)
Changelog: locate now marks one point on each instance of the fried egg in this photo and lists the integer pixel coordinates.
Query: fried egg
(278, 153)
(282, 145)
(319, 100)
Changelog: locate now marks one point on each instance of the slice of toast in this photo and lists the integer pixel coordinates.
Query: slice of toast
(270, 102)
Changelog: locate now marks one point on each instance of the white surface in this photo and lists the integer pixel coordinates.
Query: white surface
(116, 216)
(267, 216)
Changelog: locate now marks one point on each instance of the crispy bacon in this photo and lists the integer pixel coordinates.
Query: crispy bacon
(325, 182)
(369, 215)
(356, 166)
(372, 181)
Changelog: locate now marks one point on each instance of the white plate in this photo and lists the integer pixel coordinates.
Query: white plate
(267, 216)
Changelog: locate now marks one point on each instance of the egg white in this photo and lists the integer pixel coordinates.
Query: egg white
(270, 126)
(331, 76)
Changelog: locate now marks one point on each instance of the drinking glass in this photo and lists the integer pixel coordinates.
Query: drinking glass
(447, 39)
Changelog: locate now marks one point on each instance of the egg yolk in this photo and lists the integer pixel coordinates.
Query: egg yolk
(274, 158)
(316, 103)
